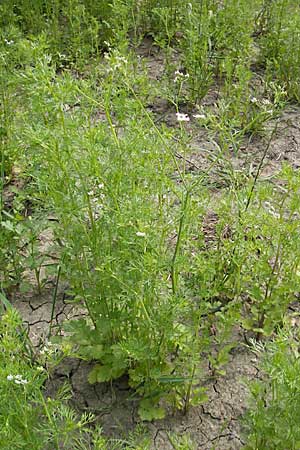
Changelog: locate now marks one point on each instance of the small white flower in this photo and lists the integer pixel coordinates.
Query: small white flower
(271, 210)
(40, 369)
(253, 100)
(180, 76)
(45, 350)
(266, 101)
(17, 379)
(181, 117)
(140, 234)
(122, 59)
(199, 116)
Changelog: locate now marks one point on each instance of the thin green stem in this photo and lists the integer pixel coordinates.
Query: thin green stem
(178, 242)
(189, 390)
(54, 298)
(260, 167)
(51, 421)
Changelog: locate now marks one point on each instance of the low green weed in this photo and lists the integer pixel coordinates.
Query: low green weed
(181, 442)
(197, 48)
(272, 420)
(279, 41)
(252, 263)
(72, 29)
(28, 419)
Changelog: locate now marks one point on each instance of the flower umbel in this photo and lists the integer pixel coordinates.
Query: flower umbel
(18, 379)
(181, 117)
(180, 76)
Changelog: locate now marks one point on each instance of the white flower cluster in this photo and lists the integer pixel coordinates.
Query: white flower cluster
(181, 117)
(97, 200)
(18, 379)
(180, 76)
(116, 62)
(9, 42)
(271, 210)
(265, 103)
(49, 349)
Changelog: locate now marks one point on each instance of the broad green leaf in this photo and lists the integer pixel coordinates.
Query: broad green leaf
(92, 351)
(149, 411)
(199, 396)
(100, 374)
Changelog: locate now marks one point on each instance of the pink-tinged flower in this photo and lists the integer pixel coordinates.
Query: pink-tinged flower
(181, 117)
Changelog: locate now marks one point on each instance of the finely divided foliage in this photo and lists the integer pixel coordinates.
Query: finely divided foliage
(164, 268)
